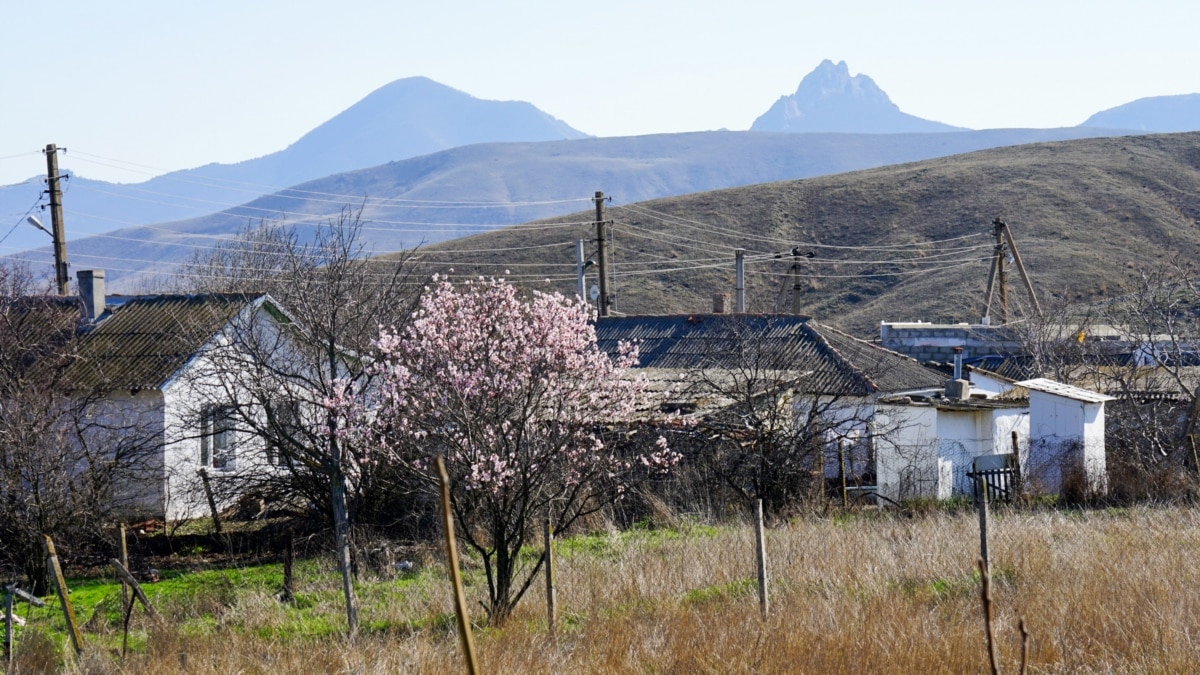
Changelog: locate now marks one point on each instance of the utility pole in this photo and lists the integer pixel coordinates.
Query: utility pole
(602, 241)
(56, 218)
(739, 303)
(797, 255)
(998, 275)
(579, 268)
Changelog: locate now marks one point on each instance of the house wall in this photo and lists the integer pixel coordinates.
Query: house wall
(905, 456)
(962, 435)
(128, 427)
(218, 375)
(988, 386)
(936, 342)
(1066, 447)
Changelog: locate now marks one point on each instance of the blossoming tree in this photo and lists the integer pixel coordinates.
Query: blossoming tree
(528, 413)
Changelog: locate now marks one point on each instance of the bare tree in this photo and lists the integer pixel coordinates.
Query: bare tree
(332, 300)
(783, 419)
(71, 459)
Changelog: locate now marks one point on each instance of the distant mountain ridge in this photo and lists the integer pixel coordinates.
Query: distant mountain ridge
(481, 187)
(455, 161)
(830, 100)
(407, 118)
(1154, 114)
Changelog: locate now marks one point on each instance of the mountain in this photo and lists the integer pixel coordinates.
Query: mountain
(1156, 114)
(898, 243)
(830, 100)
(407, 118)
(466, 190)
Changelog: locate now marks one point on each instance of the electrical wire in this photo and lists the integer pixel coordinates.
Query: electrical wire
(704, 227)
(265, 189)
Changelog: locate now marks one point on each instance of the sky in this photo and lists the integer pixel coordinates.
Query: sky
(153, 86)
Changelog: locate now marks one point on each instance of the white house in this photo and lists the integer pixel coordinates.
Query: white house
(163, 363)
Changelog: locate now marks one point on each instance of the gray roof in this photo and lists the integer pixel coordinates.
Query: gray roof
(824, 359)
(145, 340)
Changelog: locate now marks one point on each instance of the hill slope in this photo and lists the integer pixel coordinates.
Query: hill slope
(1157, 114)
(465, 190)
(1087, 214)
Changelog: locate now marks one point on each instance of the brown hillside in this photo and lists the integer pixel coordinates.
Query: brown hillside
(1087, 215)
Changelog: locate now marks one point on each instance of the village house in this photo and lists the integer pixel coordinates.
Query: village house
(163, 370)
(892, 426)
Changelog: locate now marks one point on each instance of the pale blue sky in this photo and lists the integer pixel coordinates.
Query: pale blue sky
(174, 85)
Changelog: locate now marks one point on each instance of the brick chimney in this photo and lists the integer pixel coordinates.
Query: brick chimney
(720, 303)
(91, 290)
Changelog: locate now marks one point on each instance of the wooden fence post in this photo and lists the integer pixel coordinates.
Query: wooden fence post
(551, 605)
(761, 546)
(289, 558)
(124, 553)
(133, 584)
(212, 502)
(8, 628)
(11, 595)
(64, 599)
(842, 470)
(460, 601)
(981, 494)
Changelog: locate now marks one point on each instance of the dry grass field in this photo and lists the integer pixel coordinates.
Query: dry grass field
(1101, 591)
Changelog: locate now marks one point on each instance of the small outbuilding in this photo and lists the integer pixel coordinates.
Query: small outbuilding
(1066, 431)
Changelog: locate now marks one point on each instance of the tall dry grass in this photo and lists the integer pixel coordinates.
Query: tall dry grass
(1111, 591)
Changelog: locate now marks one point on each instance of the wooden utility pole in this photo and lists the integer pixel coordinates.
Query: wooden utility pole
(1012, 246)
(53, 182)
(602, 256)
(998, 275)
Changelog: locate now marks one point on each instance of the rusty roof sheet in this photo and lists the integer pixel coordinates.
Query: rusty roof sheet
(146, 340)
(819, 358)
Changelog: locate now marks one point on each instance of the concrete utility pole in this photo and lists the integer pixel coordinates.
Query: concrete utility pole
(602, 256)
(739, 303)
(53, 180)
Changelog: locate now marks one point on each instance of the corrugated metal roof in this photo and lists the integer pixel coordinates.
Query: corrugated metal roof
(822, 359)
(146, 340)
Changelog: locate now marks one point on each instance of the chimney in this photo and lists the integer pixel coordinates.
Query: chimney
(720, 303)
(958, 389)
(91, 290)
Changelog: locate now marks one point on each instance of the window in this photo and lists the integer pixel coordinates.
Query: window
(216, 436)
(284, 423)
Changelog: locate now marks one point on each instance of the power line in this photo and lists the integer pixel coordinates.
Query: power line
(271, 190)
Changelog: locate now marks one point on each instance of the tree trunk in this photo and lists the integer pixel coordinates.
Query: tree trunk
(341, 533)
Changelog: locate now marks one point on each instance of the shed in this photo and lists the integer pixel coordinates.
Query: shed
(1066, 430)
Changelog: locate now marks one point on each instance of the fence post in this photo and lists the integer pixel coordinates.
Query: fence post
(460, 602)
(981, 494)
(842, 471)
(212, 502)
(8, 627)
(761, 545)
(551, 608)
(123, 551)
(289, 558)
(64, 599)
